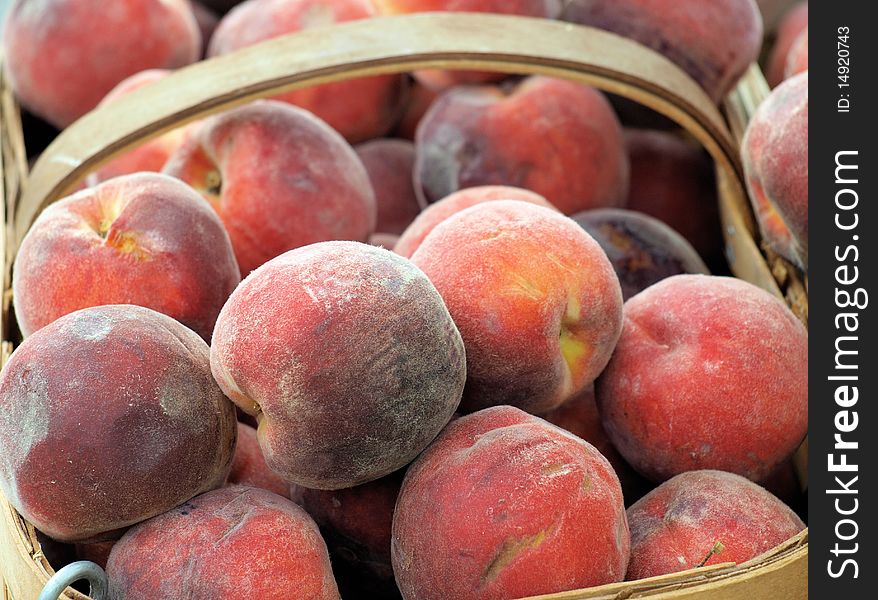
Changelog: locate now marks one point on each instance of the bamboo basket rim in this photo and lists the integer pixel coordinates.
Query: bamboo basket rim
(398, 44)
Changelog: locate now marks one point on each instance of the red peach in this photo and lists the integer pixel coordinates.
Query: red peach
(420, 99)
(567, 143)
(797, 61)
(142, 239)
(207, 20)
(63, 56)
(359, 109)
(236, 542)
(249, 468)
(390, 164)
(705, 517)
(537, 302)
(709, 373)
(506, 505)
(384, 240)
(110, 416)
(794, 22)
(437, 212)
(348, 358)
(279, 178)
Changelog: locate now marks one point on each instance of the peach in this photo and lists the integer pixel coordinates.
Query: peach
(709, 373)
(705, 517)
(384, 240)
(97, 552)
(348, 358)
(390, 164)
(506, 505)
(249, 468)
(672, 180)
(419, 100)
(535, 298)
(643, 250)
(794, 22)
(207, 20)
(437, 212)
(279, 178)
(714, 42)
(579, 416)
(775, 153)
(142, 239)
(437, 80)
(236, 542)
(359, 109)
(110, 416)
(150, 156)
(797, 61)
(63, 56)
(356, 523)
(567, 143)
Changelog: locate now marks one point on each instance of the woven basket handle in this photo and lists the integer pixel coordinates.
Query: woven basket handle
(371, 47)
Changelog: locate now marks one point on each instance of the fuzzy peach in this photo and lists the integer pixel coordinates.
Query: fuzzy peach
(143, 239)
(279, 178)
(775, 153)
(110, 416)
(506, 505)
(249, 468)
(536, 300)
(709, 373)
(63, 56)
(235, 542)
(390, 164)
(348, 358)
(705, 517)
(567, 143)
(642, 250)
(794, 22)
(359, 109)
(437, 212)
(714, 42)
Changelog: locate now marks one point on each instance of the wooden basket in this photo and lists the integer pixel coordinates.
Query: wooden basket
(392, 45)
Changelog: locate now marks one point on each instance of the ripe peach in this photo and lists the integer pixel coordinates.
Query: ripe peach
(534, 296)
(506, 505)
(775, 153)
(714, 42)
(279, 178)
(150, 156)
(207, 20)
(96, 552)
(797, 61)
(390, 164)
(642, 250)
(678, 525)
(437, 212)
(249, 468)
(710, 373)
(142, 239)
(110, 416)
(235, 542)
(359, 109)
(348, 358)
(356, 523)
(672, 180)
(63, 56)
(794, 22)
(420, 98)
(567, 143)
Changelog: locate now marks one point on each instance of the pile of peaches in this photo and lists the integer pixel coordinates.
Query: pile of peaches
(422, 336)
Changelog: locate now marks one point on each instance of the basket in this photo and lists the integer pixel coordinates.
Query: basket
(386, 45)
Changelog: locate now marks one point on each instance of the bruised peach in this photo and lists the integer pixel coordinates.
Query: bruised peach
(710, 373)
(536, 300)
(437, 212)
(63, 56)
(235, 542)
(505, 505)
(703, 518)
(390, 164)
(348, 358)
(142, 239)
(249, 468)
(110, 416)
(279, 178)
(554, 137)
(359, 109)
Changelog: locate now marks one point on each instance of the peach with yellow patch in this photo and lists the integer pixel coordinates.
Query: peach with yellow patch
(506, 505)
(143, 239)
(534, 296)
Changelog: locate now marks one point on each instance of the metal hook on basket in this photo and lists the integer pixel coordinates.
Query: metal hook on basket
(83, 569)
